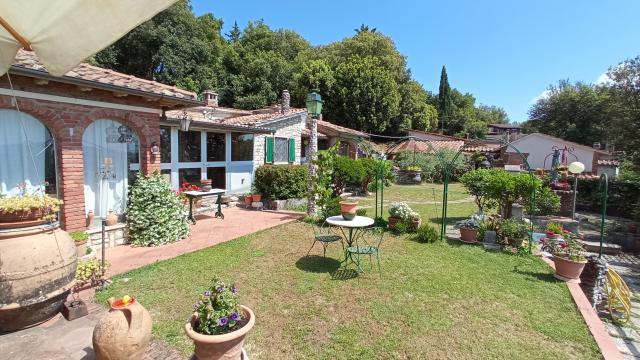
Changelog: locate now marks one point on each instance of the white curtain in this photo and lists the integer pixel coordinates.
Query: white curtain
(17, 167)
(110, 193)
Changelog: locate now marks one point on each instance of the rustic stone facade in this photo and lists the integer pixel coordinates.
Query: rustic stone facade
(67, 121)
(289, 128)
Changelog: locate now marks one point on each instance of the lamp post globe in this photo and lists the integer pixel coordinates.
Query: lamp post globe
(576, 167)
(314, 103)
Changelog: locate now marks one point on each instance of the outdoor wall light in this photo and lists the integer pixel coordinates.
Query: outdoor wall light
(314, 103)
(185, 121)
(155, 149)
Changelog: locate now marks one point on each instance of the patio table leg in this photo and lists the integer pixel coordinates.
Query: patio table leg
(219, 212)
(191, 217)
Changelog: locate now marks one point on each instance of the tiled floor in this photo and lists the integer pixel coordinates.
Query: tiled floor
(59, 339)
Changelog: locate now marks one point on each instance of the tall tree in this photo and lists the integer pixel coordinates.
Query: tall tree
(365, 28)
(415, 110)
(445, 102)
(235, 33)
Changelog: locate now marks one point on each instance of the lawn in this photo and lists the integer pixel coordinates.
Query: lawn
(442, 300)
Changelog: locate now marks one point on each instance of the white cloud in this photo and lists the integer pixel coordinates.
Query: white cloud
(603, 79)
(544, 95)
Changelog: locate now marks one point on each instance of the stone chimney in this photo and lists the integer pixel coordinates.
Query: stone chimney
(210, 98)
(286, 102)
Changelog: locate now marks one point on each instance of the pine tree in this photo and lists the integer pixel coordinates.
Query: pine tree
(445, 103)
(234, 35)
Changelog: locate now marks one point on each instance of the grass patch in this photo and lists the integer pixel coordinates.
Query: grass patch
(434, 300)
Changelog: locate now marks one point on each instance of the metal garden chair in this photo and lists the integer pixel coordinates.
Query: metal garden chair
(369, 244)
(325, 236)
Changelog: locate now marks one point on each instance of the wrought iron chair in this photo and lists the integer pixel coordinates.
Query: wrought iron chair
(369, 244)
(325, 236)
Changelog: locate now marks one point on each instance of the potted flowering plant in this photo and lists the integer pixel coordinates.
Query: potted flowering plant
(27, 209)
(400, 212)
(469, 228)
(555, 231)
(197, 202)
(219, 323)
(568, 257)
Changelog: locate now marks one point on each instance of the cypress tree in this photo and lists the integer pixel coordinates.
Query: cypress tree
(445, 103)
(234, 35)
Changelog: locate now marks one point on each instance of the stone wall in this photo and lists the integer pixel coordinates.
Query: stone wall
(290, 128)
(114, 235)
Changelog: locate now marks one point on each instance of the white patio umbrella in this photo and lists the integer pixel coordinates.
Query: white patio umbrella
(65, 33)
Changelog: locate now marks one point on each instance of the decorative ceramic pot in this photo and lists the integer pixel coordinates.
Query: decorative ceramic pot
(248, 199)
(468, 235)
(112, 218)
(205, 184)
(568, 270)
(256, 197)
(123, 333)
(226, 346)
(348, 209)
(81, 248)
(37, 270)
(393, 221)
(21, 219)
(90, 217)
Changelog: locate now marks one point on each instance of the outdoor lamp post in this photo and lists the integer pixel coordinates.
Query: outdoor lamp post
(314, 108)
(576, 168)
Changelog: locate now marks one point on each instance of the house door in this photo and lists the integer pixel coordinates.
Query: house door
(111, 161)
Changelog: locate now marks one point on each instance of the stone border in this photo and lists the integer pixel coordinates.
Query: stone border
(607, 346)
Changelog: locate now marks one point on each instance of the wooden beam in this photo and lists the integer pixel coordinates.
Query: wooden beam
(84, 88)
(40, 81)
(119, 94)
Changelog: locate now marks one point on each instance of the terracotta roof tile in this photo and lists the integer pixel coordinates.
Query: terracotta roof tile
(608, 162)
(425, 146)
(84, 71)
(329, 127)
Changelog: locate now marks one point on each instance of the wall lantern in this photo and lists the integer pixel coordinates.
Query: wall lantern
(314, 103)
(185, 121)
(155, 149)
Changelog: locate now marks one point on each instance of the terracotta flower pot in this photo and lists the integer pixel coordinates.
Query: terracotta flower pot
(256, 197)
(568, 270)
(123, 333)
(20, 219)
(468, 235)
(81, 248)
(348, 209)
(226, 346)
(112, 218)
(205, 184)
(248, 199)
(393, 221)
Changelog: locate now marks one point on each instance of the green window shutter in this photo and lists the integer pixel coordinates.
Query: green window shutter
(268, 153)
(292, 150)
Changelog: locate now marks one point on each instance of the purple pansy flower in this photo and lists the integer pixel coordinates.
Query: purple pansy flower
(233, 290)
(223, 321)
(220, 289)
(207, 293)
(234, 316)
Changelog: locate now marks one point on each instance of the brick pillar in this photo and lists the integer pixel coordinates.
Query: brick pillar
(71, 187)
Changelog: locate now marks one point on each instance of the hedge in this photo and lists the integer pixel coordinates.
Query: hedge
(623, 197)
(280, 182)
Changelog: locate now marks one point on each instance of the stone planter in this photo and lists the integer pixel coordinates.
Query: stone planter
(123, 333)
(32, 291)
(468, 235)
(568, 270)
(226, 346)
(393, 221)
(409, 177)
(489, 240)
(348, 209)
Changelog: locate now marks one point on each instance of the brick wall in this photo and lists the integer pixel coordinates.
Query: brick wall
(60, 117)
(291, 128)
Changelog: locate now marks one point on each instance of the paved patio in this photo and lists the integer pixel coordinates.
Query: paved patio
(60, 339)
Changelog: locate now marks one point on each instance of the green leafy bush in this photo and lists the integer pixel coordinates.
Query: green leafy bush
(361, 212)
(433, 164)
(623, 197)
(79, 236)
(155, 214)
(371, 169)
(513, 231)
(280, 182)
(426, 234)
(346, 171)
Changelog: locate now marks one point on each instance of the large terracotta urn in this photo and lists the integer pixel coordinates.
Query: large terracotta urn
(123, 333)
(220, 347)
(37, 271)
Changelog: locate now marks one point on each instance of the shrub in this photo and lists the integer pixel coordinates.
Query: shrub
(623, 197)
(280, 182)
(79, 236)
(90, 271)
(346, 171)
(426, 234)
(330, 208)
(361, 212)
(547, 202)
(401, 228)
(403, 211)
(371, 169)
(513, 230)
(433, 164)
(155, 214)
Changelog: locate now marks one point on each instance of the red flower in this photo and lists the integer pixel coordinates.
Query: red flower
(564, 245)
(550, 233)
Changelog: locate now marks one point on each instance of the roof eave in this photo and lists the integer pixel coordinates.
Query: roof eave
(222, 127)
(19, 70)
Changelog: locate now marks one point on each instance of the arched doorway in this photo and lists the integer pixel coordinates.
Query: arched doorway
(27, 155)
(111, 156)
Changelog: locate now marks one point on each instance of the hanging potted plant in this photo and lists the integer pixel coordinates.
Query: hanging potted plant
(568, 258)
(219, 323)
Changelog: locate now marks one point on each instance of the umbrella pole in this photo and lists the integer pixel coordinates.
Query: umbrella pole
(15, 34)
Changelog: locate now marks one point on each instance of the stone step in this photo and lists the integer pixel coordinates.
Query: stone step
(607, 248)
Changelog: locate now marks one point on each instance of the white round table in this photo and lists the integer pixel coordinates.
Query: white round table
(355, 226)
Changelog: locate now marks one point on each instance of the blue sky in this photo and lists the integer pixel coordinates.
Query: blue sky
(506, 53)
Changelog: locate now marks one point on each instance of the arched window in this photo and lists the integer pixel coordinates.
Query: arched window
(111, 155)
(27, 155)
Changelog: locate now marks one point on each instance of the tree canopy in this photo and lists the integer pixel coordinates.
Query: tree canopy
(364, 79)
